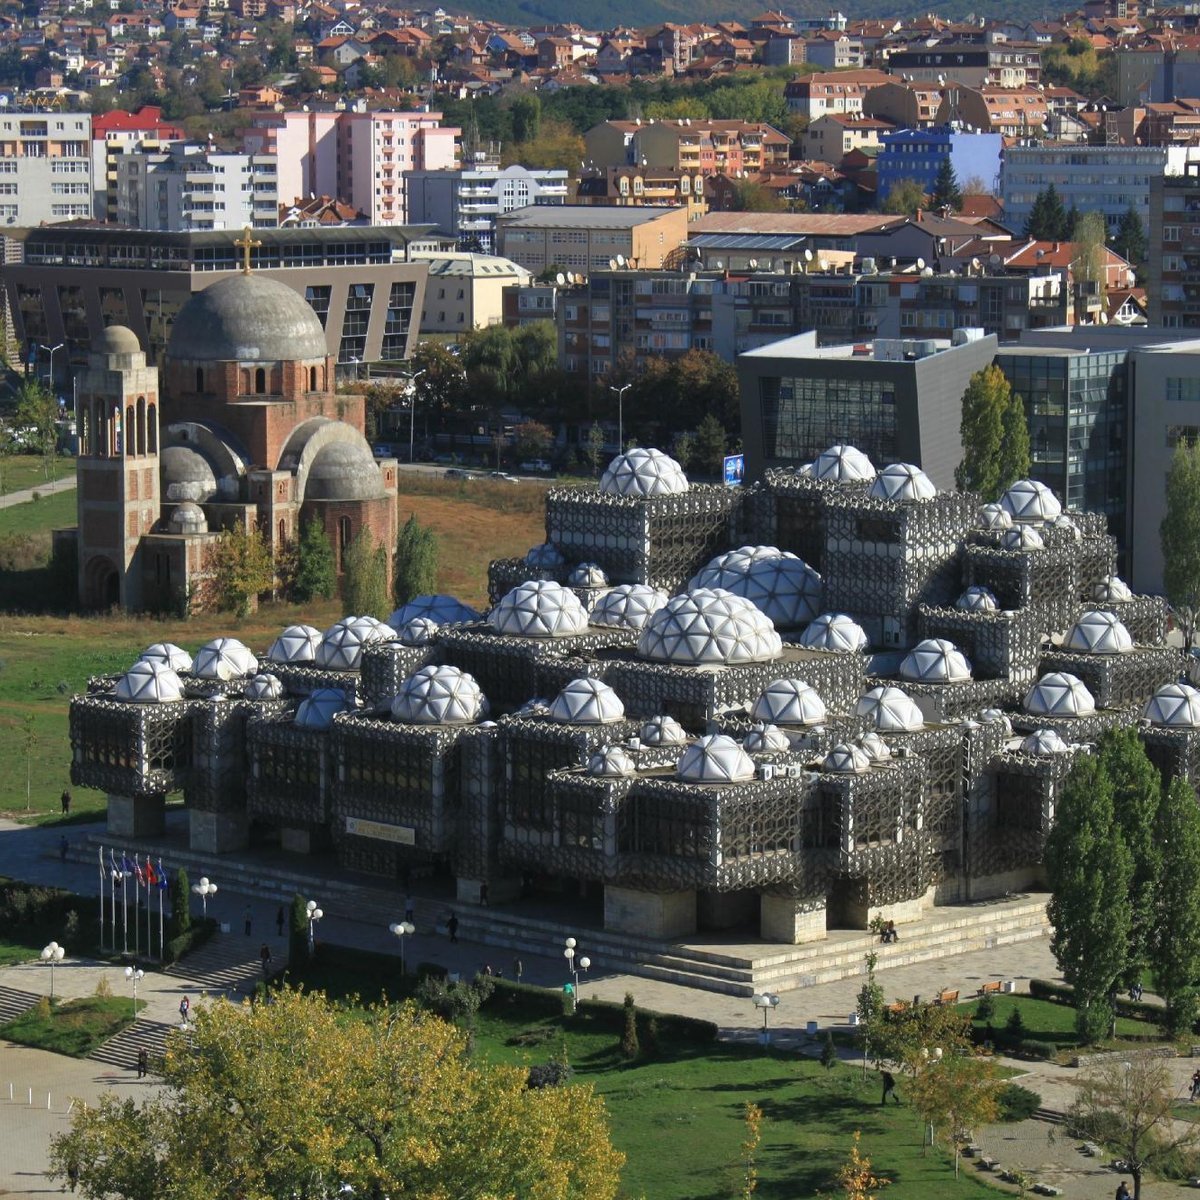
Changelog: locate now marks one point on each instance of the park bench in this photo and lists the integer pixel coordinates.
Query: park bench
(946, 996)
(898, 1007)
(991, 988)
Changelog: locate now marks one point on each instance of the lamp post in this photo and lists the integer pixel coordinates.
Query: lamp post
(53, 954)
(52, 350)
(621, 414)
(766, 1002)
(314, 915)
(204, 889)
(930, 1058)
(134, 975)
(402, 929)
(575, 965)
(411, 390)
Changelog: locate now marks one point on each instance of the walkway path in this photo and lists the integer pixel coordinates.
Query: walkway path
(42, 489)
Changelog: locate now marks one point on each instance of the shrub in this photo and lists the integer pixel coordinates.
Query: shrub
(184, 943)
(298, 931)
(829, 1056)
(629, 1036)
(986, 1008)
(103, 987)
(42, 1008)
(1014, 1027)
(1016, 1103)
(181, 912)
(544, 1075)
(427, 970)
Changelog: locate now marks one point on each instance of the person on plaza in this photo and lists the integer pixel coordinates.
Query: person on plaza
(1123, 1192)
(63, 847)
(452, 927)
(280, 918)
(1196, 1086)
(487, 969)
(889, 1088)
(185, 1007)
(890, 934)
(65, 799)
(265, 955)
(246, 918)
(410, 908)
(518, 969)
(1135, 992)
(143, 1063)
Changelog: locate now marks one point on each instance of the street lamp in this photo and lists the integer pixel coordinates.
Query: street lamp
(411, 390)
(314, 915)
(52, 350)
(204, 889)
(575, 965)
(930, 1058)
(402, 929)
(53, 954)
(767, 1001)
(621, 414)
(134, 975)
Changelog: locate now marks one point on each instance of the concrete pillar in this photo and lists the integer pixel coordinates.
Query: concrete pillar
(218, 832)
(791, 921)
(302, 840)
(725, 910)
(136, 816)
(902, 912)
(652, 914)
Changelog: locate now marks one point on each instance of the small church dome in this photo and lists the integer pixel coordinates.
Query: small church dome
(117, 339)
(188, 517)
(344, 471)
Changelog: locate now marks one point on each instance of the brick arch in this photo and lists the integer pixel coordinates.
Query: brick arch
(307, 441)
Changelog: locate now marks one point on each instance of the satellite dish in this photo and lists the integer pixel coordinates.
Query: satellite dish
(620, 260)
(920, 264)
(560, 279)
(822, 264)
(994, 259)
(4, 101)
(612, 264)
(926, 272)
(976, 264)
(754, 264)
(1104, 318)
(808, 255)
(719, 264)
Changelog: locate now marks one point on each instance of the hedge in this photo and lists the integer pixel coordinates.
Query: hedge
(1064, 993)
(184, 943)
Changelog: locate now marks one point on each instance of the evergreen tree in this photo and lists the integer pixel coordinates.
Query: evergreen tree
(1179, 534)
(630, 1047)
(829, 1056)
(1130, 239)
(982, 432)
(416, 561)
(1048, 221)
(316, 572)
(946, 191)
(364, 579)
(180, 893)
(1137, 786)
(710, 446)
(1089, 869)
(1175, 946)
(1014, 460)
(298, 931)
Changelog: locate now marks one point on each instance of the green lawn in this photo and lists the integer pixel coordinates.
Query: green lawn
(29, 471)
(56, 511)
(73, 1027)
(1050, 1023)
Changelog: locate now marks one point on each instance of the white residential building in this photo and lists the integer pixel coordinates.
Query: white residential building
(45, 167)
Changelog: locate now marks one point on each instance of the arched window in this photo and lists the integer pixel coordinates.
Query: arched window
(128, 436)
(152, 429)
(199, 379)
(141, 425)
(282, 532)
(312, 379)
(260, 381)
(343, 533)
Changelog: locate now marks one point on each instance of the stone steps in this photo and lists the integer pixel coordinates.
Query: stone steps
(122, 1050)
(14, 1002)
(227, 962)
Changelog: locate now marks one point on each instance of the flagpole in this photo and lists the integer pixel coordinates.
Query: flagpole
(124, 908)
(162, 887)
(149, 913)
(112, 897)
(100, 852)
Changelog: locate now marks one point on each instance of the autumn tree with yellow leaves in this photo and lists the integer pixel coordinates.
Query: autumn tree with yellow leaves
(297, 1099)
(855, 1178)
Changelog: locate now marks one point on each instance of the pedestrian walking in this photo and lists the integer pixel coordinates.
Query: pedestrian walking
(63, 847)
(889, 1088)
(1135, 992)
(452, 927)
(185, 1007)
(1196, 1086)
(409, 908)
(65, 800)
(487, 970)
(1123, 1192)
(518, 969)
(73, 1174)
(265, 955)
(246, 918)
(279, 921)
(143, 1063)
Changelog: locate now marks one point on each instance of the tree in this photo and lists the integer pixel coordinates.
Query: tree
(629, 1034)
(37, 412)
(955, 1093)
(364, 576)
(439, 379)
(1014, 460)
(532, 439)
(904, 197)
(753, 1118)
(1179, 535)
(1128, 1103)
(1175, 944)
(984, 404)
(749, 195)
(1137, 787)
(710, 446)
(238, 570)
(946, 192)
(526, 112)
(1047, 221)
(1089, 869)
(1130, 239)
(416, 562)
(829, 1056)
(854, 1176)
(594, 447)
(316, 569)
(1089, 235)
(181, 900)
(298, 930)
(683, 447)
(385, 1105)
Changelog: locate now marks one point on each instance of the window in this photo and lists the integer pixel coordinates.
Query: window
(312, 379)
(343, 533)
(260, 380)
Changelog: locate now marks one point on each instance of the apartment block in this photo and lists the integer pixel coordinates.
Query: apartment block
(45, 167)
(116, 133)
(1173, 265)
(707, 146)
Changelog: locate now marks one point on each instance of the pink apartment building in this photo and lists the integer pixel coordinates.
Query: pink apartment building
(357, 157)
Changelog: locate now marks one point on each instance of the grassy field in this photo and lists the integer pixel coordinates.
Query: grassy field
(29, 471)
(72, 1027)
(46, 659)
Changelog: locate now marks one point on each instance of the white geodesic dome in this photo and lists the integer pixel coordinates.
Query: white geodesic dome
(417, 631)
(1099, 632)
(1062, 521)
(611, 762)
(786, 589)
(1022, 537)
(317, 710)
(539, 608)
(1059, 694)
(263, 686)
(1110, 589)
(439, 695)
(1044, 741)
(1030, 501)
(709, 627)
(902, 482)
(766, 739)
(843, 464)
(1175, 705)
(587, 702)
(846, 759)
(587, 575)
(935, 660)
(627, 606)
(662, 731)
(834, 631)
(997, 714)
(342, 643)
(545, 556)
(149, 682)
(535, 706)
(890, 710)
(875, 748)
(716, 758)
(994, 516)
(789, 702)
(643, 472)
(733, 564)
(296, 644)
(977, 599)
(168, 654)
(224, 658)
(444, 610)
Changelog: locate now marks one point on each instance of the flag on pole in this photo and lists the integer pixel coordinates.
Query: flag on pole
(137, 873)
(161, 878)
(151, 878)
(126, 865)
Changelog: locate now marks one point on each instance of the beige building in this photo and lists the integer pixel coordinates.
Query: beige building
(466, 291)
(1012, 112)
(707, 146)
(587, 238)
(831, 137)
(906, 105)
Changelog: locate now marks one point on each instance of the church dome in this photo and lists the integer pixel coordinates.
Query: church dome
(994, 516)
(439, 696)
(1111, 589)
(342, 643)
(1043, 742)
(246, 318)
(1030, 500)
(264, 686)
(186, 475)
(187, 518)
(117, 339)
(587, 575)
(846, 759)
(344, 471)
(766, 739)
(611, 762)
(843, 464)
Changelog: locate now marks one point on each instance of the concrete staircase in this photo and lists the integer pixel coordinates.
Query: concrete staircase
(122, 1050)
(14, 1002)
(226, 963)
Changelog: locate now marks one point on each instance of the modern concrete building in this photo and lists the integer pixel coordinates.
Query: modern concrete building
(195, 187)
(1173, 265)
(919, 153)
(116, 133)
(45, 167)
(72, 282)
(466, 291)
(897, 400)
(586, 237)
(969, 64)
(464, 204)
(710, 147)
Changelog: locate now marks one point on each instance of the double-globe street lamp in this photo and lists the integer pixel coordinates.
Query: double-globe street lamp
(134, 975)
(402, 930)
(204, 889)
(53, 954)
(766, 1002)
(314, 914)
(575, 965)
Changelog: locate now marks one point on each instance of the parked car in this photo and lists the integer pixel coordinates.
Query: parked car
(383, 450)
(536, 464)
(503, 476)
(457, 473)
